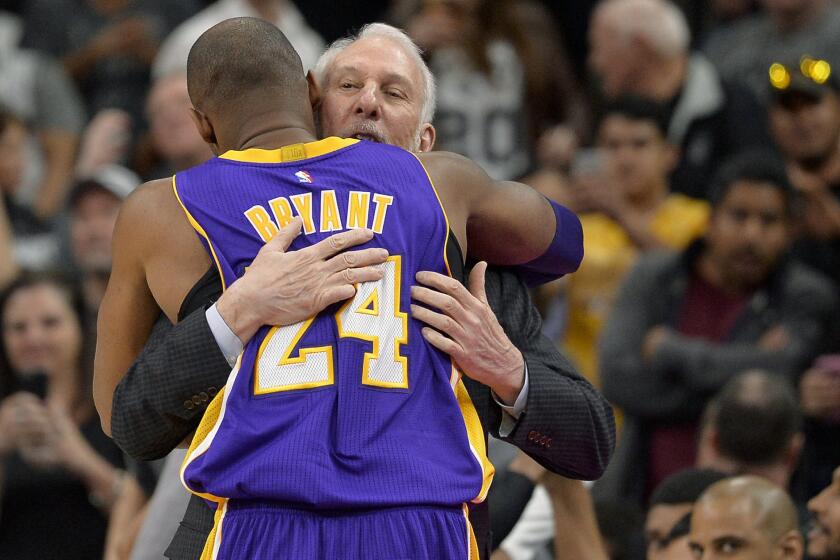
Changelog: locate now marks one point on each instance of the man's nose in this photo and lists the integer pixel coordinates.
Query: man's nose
(368, 102)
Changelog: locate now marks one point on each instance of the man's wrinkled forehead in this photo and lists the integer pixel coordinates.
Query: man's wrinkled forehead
(379, 56)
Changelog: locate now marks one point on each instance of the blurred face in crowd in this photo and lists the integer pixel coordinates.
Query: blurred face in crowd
(660, 520)
(824, 536)
(41, 331)
(92, 228)
(728, 527)
(374, 91)
(806, 128)
(747, 233)
(637, 155)
(611, 56)
(12, 156)
(173, 133)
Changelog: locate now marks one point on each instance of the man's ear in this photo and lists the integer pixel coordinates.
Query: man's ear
(204, 127)
(427, 138)
(792, 545)
(315, 94)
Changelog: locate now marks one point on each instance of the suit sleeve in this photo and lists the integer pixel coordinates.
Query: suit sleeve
(567, 426)
(162, 397)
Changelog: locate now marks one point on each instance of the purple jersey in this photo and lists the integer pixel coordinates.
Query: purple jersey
(350, 409)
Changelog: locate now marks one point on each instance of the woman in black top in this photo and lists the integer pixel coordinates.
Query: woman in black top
(59, 472)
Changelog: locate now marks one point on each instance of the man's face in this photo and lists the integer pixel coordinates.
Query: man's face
(747, 233)
(726, 528)
(804, 127)
(92, 229)
(660, 520)
(824, 537)
(374, 91)
(168, 112)
(610, 57)
(638, 158)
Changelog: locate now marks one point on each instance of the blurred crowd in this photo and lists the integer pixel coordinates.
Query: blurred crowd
(698, 141)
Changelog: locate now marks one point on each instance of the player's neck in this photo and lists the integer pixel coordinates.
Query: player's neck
(273, 139)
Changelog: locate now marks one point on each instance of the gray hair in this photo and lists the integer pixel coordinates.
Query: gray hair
(384, 31)
(659, 22)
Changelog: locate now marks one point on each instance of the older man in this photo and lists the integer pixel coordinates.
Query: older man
(361, 89)
(641, 47)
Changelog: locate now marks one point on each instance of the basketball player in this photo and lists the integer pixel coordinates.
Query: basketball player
(323, 415)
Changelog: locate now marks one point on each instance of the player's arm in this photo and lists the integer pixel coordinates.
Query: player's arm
(128, 309)
(505, 222)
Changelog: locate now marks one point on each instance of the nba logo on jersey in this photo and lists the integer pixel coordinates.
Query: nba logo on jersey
(303, 177)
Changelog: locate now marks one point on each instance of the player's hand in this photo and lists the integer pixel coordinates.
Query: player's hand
(284, 287)
(467, 329)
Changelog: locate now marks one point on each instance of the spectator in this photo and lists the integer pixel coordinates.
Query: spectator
(824, 535)
(753, 426)
(33, 243)
(805, 122)
(36, 89)
(174, 137)
(172, 57)
(669, 515)
(785, 30)
(746, 517)
(56, 461)
(684, 324)
(173, 143)
(641, 47)
(94, 204)
(503, 79)
(630, 211)
(107, 46)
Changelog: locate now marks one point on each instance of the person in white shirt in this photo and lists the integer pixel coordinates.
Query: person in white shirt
(172, 56)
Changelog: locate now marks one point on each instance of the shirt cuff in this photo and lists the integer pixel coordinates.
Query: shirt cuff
(511, 413)
(228, 342)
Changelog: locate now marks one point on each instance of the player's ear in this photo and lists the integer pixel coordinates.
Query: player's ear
(427, 138)
(203, 125)
(314, 90)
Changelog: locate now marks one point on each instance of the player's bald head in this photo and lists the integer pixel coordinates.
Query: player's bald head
(243, 59)
(769, 506)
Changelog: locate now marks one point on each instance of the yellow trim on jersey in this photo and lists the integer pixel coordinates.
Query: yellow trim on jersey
(472, 543)
(206, 431)
(445, 217)
(214, 539)
(475, 435)
(200, 230)
(287, 360)
(475, 431)
(292, 152)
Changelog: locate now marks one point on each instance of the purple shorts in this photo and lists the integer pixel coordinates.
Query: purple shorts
(268, 532)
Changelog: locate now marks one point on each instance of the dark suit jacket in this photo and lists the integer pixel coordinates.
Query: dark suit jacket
(567, 426)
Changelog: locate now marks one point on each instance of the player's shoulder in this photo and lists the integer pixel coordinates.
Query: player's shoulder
(149, 196)
(150, 207)
(454, 172)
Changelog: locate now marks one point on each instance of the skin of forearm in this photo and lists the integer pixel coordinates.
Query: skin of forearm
(576, 534)
(60, 152)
